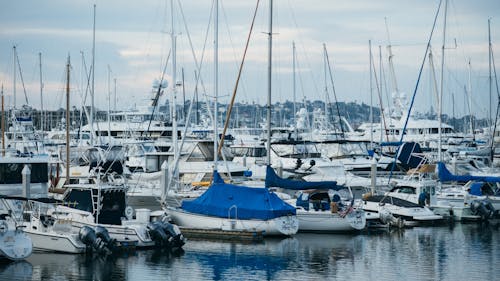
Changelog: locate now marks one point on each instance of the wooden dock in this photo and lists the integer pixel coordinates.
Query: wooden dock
(217, 234)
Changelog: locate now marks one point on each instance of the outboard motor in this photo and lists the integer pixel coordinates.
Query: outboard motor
(483, 208)
(98, 240)
(157, 234)
(166, 235)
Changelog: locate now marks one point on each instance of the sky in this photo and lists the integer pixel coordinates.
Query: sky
(133, 41)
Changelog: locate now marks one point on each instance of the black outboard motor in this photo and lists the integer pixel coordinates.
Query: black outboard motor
(166, 235)
(98, 240)
(157, 234)
(483, 208)
(176, 239)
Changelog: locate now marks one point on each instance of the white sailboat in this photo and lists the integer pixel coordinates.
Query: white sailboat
(227, 207)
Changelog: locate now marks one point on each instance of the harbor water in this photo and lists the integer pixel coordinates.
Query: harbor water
(455, 252)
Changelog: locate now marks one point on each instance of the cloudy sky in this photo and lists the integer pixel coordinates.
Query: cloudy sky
(133, 42)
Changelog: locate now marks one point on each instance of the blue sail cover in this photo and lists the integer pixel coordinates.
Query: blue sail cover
(273, 180)
(224, 200)
(445, 175)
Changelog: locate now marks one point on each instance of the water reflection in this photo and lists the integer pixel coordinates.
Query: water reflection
(20, 270)
(457, 252)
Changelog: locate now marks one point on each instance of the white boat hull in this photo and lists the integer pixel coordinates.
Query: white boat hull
(286, 225)
(53, 242)
(326, 221)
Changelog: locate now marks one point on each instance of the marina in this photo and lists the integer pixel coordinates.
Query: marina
(258, 172)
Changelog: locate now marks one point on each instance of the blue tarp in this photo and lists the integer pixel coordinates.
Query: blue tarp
(445, 175)
(227, 200)
(273, 180)
(475, 189)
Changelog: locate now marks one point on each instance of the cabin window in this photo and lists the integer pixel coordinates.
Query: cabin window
(11, 173)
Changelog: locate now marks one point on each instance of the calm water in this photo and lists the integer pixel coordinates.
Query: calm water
(460, 252)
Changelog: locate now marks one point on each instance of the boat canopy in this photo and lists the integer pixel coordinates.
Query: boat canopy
(234, 201)
(273, 180)
(445, 176)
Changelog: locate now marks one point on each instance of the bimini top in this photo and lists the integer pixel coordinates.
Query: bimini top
(273, 180)
(445, 175)
(227, 200)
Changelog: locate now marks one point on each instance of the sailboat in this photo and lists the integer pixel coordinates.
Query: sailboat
(317, 210)
(229, 207)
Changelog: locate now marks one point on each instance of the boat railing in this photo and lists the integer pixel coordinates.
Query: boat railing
(235, 212)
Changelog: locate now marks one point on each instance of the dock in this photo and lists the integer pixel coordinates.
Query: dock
(217, 234)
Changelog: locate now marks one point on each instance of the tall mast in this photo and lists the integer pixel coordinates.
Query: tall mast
(327, 99)
(371, 94)
(391, 63)
(440, 99)
(93, 83)
(490, 58)
(42, 117)
(15, 74)
(216, 80)
(67, 122)
(109, 102)
(3, 124)
(469, 92)
(269, 74)
(114, 106)
(294, 88)
(174, 88)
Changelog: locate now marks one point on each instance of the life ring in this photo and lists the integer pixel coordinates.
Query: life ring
(129, 212)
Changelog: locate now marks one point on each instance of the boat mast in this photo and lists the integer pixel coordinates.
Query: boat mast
(42, 117)
(371, 95)
(440, 98)
(93, 84)
(3, 125)
(67, 122)
(15, 74)
(216, 79)
(109, 103)
(270, 36)
(490, 58)
(469, 92)
(174, 90)
(294, 92)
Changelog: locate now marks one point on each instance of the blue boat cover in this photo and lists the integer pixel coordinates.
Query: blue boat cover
(273, 180)
(227, 200)
(475, 189)
(445, 175)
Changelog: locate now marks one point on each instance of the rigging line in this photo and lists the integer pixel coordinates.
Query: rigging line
(158, 93)
(87, 88)
(415, 90)
(21, 76)
(334, 92)
(199, 64)
(304, 49)
(230, 109)
(231, 40)
(303, 95)
(498, 102)
(379, 94)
